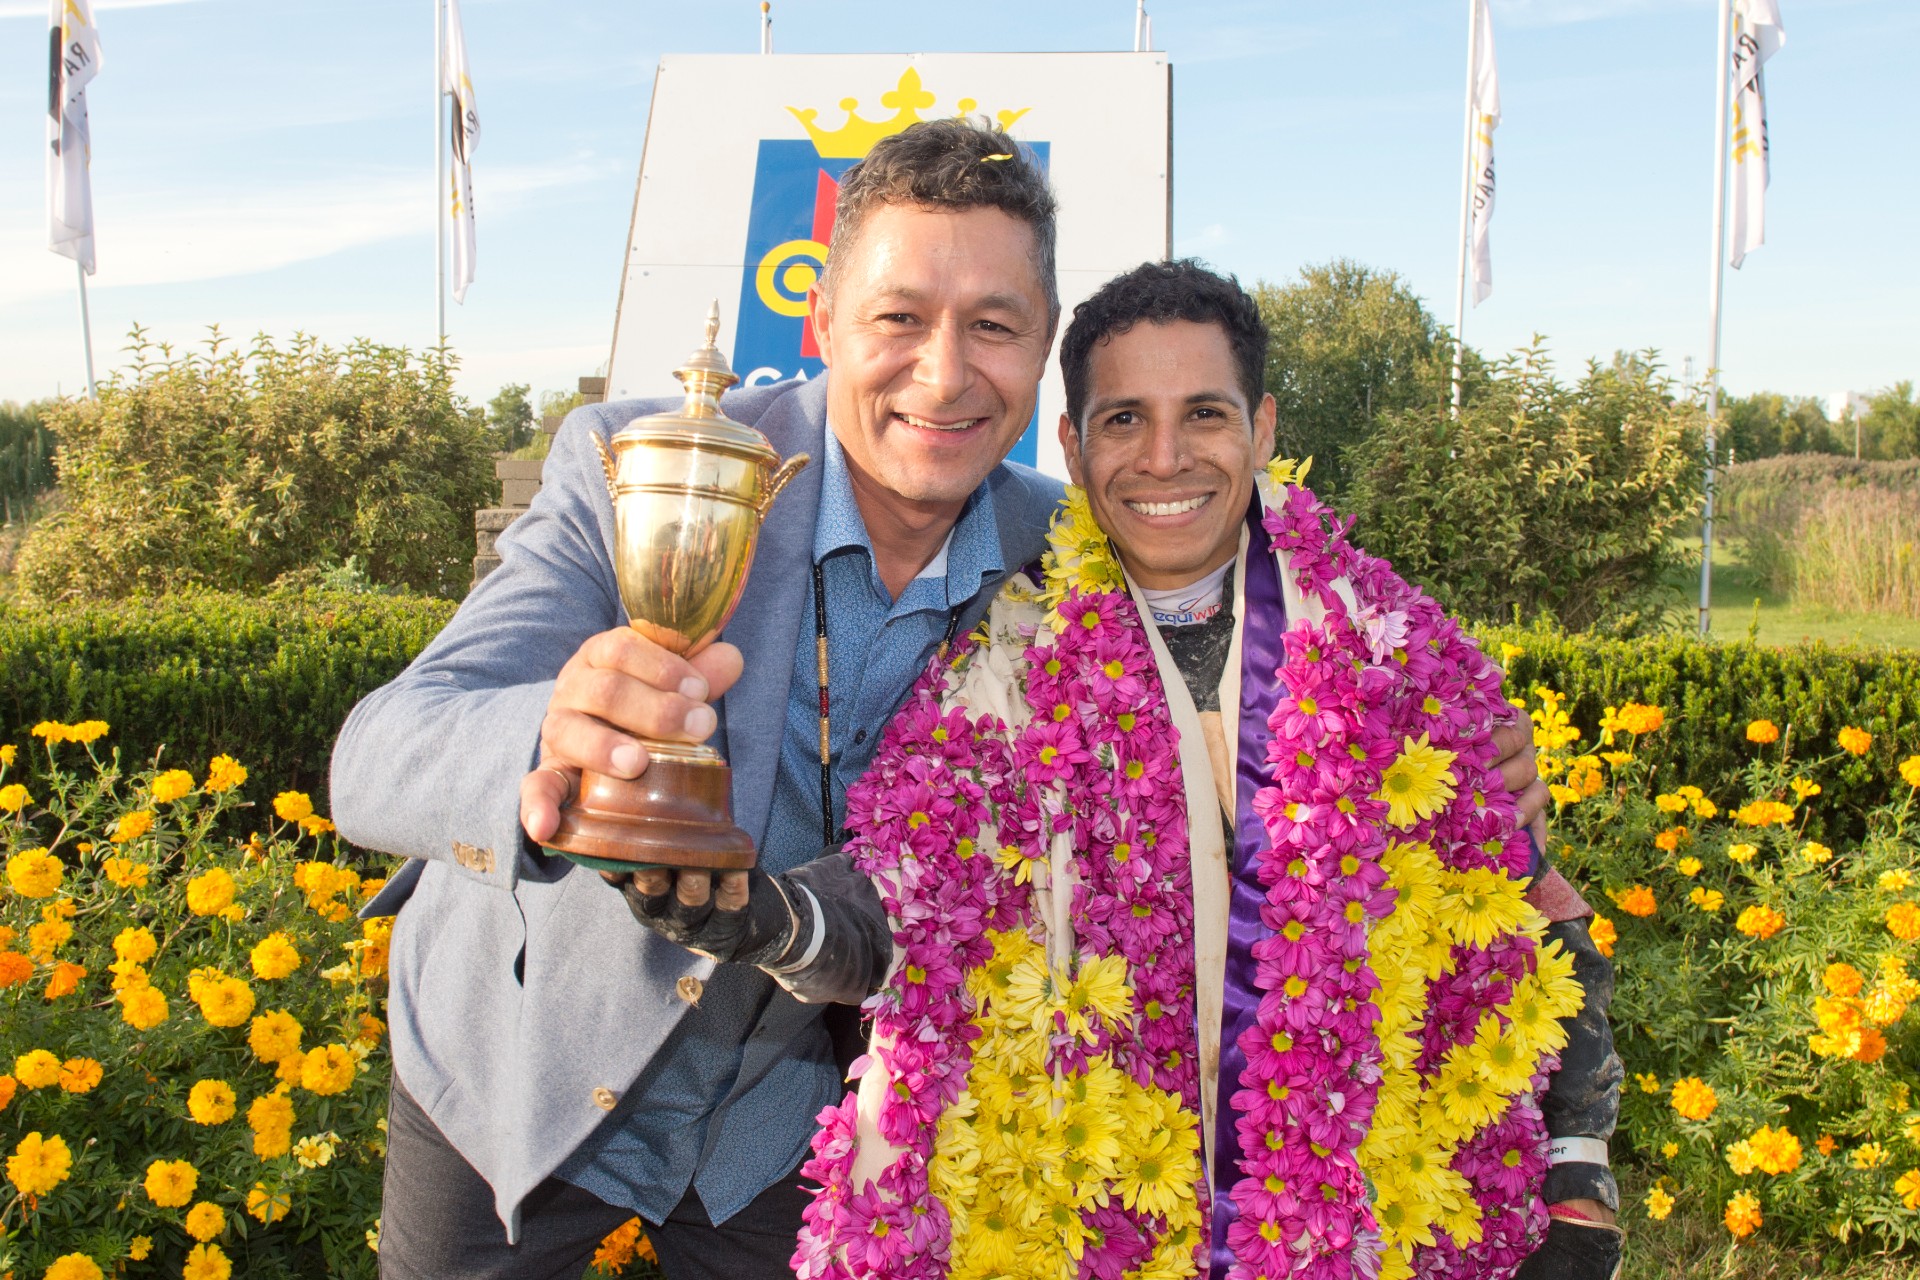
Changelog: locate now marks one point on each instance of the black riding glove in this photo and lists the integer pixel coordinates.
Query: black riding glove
(1575, 1251)
(760, 933)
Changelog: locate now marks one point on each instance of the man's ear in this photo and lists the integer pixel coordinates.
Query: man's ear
(1070, 446)
(1263, 428)
(819, 315)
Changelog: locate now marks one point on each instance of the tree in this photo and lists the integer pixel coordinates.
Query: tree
(233, 469)
(1767, 424)
(510, 417)
(26, 455)
(1349, 343)
(1890, 428)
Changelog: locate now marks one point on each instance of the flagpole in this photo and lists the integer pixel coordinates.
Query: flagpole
(439, 175)
(1721, 53)
(86, 329)
(1466, 207)
(766, 26)
(1139, 26)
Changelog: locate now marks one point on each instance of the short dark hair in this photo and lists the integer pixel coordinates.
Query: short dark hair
(949, 164)
(1160, 293)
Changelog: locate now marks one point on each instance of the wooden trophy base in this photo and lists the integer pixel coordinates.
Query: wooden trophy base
(675, 814)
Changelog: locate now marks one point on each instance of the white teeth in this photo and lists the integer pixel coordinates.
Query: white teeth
(1170, 508)
(922, 423)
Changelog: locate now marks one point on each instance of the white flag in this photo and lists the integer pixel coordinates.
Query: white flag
(1486, 118)
(1757, 36)
(73, 61)
(456, 81)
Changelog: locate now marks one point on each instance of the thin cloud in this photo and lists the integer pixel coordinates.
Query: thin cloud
(37, 9)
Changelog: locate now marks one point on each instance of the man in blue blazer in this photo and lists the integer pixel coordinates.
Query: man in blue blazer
(559, 1069)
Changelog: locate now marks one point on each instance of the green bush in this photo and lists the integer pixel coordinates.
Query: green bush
(1829, 530)
(230, 469)
(1540, 498)
(268, 679)
(26, 457)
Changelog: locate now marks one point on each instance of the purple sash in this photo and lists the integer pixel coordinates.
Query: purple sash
(1262, 650)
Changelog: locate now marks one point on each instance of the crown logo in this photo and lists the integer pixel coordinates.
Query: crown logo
(856, 137)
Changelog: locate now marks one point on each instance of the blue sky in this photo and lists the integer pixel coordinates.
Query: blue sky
(266, 165)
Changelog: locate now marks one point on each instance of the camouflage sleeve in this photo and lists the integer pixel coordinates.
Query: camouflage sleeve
(1583, 1096)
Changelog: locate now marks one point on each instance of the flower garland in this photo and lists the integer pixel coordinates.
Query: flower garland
(1041, 1088)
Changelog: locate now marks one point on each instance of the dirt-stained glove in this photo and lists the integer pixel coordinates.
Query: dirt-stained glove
(759, 933)
(1575, 1251)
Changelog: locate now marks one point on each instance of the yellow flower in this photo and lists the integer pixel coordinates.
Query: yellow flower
(1743, 1215)
(8, 1087)
(274, 1035)
(86, 731)
(1670, 1149)
(14, 798)
(206, 1262)
(205, 1221)
(1895, 881)
(1694, 1098)
(210, 1102)
(1869, 1156)
(1903, 921)
(1760, 922)
(223, 1001)
(270, 1111)
(377, 933)
(1604, 935)
(1638, 901)
(34, 873)
(1815, 854)
(328, 1069)
(1763, 732)
(224, 774)
(1690, 866)
(170, 1183)
(1659, 1204)
(171, 785)
(1742, 852)
(39, 1164)
(315, 825)
(80, 1075)
(1670, 804)
(126, 873)
(210, 892)
(1418, 783)
(1804, 789)
(47, 937)
(37, 1069)
(1478, 905)
(132, 826)
(314, 1152)
(1910, 770)
(72, 1266)
(7, 753)
(1648, 1082)
(1637, 718)
(1855, 741)
(1763, 813)
(293, 805)
(135, 943)
(143, 1007)
(1708, 900)
(1826, 1144)
(1908, 1188)
(1842, 980)
(139, 1247)
(1669, 840)
(1509, 651)
(1775, 1151)
(274, 957)
(268, 1206)
(1740, 1157)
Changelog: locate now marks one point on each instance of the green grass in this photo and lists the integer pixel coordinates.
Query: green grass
(1781, 621)
(1693, 1243)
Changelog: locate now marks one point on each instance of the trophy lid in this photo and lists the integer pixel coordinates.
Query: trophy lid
(705, 374)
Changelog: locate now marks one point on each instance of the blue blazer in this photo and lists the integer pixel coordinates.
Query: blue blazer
(525, 1000)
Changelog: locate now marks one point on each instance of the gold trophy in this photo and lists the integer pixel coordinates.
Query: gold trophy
(689, 490)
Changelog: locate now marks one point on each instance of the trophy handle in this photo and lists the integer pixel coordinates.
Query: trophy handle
(607, 464)
(788, 470)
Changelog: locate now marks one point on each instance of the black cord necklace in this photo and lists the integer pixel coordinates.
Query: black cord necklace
(826, 722)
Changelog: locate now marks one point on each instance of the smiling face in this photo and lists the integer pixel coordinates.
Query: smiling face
(1168, 449)
(935, 334)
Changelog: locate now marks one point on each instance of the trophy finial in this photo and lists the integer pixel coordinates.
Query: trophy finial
(713, 325)
(706, 372)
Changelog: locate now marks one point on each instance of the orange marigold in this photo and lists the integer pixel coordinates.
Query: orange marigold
(1743, 1214)
(1760, 922)
(65, 979)
(1842, 979)
(1604, 935)
(14, 967)
(1855, 741)
(1638, 901)
(132, 826)
(1903, 921)
(1694, 1098)
(1763, 732)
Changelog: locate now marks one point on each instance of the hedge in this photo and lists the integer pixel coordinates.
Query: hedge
(270, 679)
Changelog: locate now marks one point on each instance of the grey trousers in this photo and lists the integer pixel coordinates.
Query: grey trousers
(438, 1222)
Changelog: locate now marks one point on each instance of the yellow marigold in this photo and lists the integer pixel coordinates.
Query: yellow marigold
(1870, 1155)
(139, 1247)
(328, 1069)
(268, 1206)
(7, 753)
(37, 1069)
(1842, 979)
(1743, 1214)
(1648, 1082)
(1638, 718)
(1669, 840)
(206, 1262)
(316, 1151)
(274, 956)
(1694, 1098)
(1775, 1151)
(34, 873)
(225, 773)
(1760, 922)
(225, 1002)
(1742, 852)
(1855, 741)
(131, 826)
(369, 1032)
(274, 1035)
(72, 1266)
(51, 731)
(270, 1111)
(14, 798)
(1898, 881)
(205, 1221)
(1763, 813)
(170, 786)
(1669, 1149)
(315, 825)
(210, 892)
(1690, 866)
(1762, 732)
(1708, 900)
(1903, 921)
(170, 1183)
(1638, 901)
(86, 731)
(1910, 770)
(14, 968)
(126, 873)
(39, 1164)
(1705, 808)
(1804, 789)
(1908, 1188)
(1815, 854)
(1670, 804)
(210, 1102)
(1659, 1204)
(80, 1075)
(135, 943)
(143, 1007)
(1740, 1157)
(378, 935)
(47, 937)
(1604, 935)
(292, 806)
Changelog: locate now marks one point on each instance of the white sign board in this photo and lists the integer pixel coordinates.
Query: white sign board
(743, 158)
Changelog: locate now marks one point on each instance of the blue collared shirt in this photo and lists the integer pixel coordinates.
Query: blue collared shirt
(680, 1131)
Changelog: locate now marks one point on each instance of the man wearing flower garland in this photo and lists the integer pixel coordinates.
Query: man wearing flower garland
(1265, 920)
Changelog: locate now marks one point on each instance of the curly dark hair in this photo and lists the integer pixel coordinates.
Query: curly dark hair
(1160, 293)
(949, 164)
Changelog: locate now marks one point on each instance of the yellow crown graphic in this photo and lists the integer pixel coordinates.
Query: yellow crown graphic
(856, 137)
